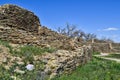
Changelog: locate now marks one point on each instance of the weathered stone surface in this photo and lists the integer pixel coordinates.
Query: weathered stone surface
(4, 53)
(63, 61)
(101, 47)
(14, 16)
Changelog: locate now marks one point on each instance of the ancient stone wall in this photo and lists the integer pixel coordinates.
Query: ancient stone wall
(106, 47)
(116, 47)
(45, 38)
(101, 47)
(17, 36)
(63, 61)
(14, 16)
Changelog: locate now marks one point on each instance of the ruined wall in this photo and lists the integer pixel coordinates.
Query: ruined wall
(101, 47)
(63, 61)
(116, 47)
(45, 38)
(17, 36)
(15, 16)
(106, 47)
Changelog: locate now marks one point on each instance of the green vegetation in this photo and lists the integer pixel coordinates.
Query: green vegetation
(6, 44)
(114, 56)
(96, 53)
(27, 75)
(26, 53)
(32, 50)
(97, 69)
(4, 74)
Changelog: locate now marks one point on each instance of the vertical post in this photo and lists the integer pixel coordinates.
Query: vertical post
(110, 45)
(93, 40)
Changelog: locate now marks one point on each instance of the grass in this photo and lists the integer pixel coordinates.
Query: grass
(6, 44)
(114, 56)
(32, 50)
(27, 49)
(97, 69)
(35, 50)
(28, 75)
(96, 53)
(28, 52)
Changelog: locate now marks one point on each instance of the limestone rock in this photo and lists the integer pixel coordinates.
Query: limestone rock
(19, 71)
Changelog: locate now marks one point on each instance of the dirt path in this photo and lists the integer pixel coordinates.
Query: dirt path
(102, 55)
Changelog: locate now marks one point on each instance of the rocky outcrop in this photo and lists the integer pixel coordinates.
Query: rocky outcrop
(14, 16)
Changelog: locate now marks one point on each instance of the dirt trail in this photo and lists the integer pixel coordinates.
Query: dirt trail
(102, 55)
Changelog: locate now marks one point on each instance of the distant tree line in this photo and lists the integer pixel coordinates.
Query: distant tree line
(72, 32)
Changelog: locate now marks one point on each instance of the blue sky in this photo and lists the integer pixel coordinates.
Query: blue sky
(101, 17)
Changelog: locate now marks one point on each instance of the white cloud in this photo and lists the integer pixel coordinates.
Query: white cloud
(111, 29)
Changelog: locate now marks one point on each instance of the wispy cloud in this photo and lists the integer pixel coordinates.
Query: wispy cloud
(111, 29)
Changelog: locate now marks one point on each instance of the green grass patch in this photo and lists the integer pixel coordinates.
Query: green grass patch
(32, 50)
(97, 69)
(6, 44)
(28, 52)
(27, 49)
(96, 53)
(4, 74)
(28, 75)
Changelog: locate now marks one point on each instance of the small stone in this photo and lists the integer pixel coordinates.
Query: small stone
(19, 71)
(20, 63)
(15, 78)
(7, 67)
(53, 75)
(4, 60)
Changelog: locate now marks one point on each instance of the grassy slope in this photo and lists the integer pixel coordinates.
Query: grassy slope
(27, 52)
(97, 69)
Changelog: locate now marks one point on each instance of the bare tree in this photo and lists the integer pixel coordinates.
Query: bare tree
(71, 31)
(89, 36)
(104, 39)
